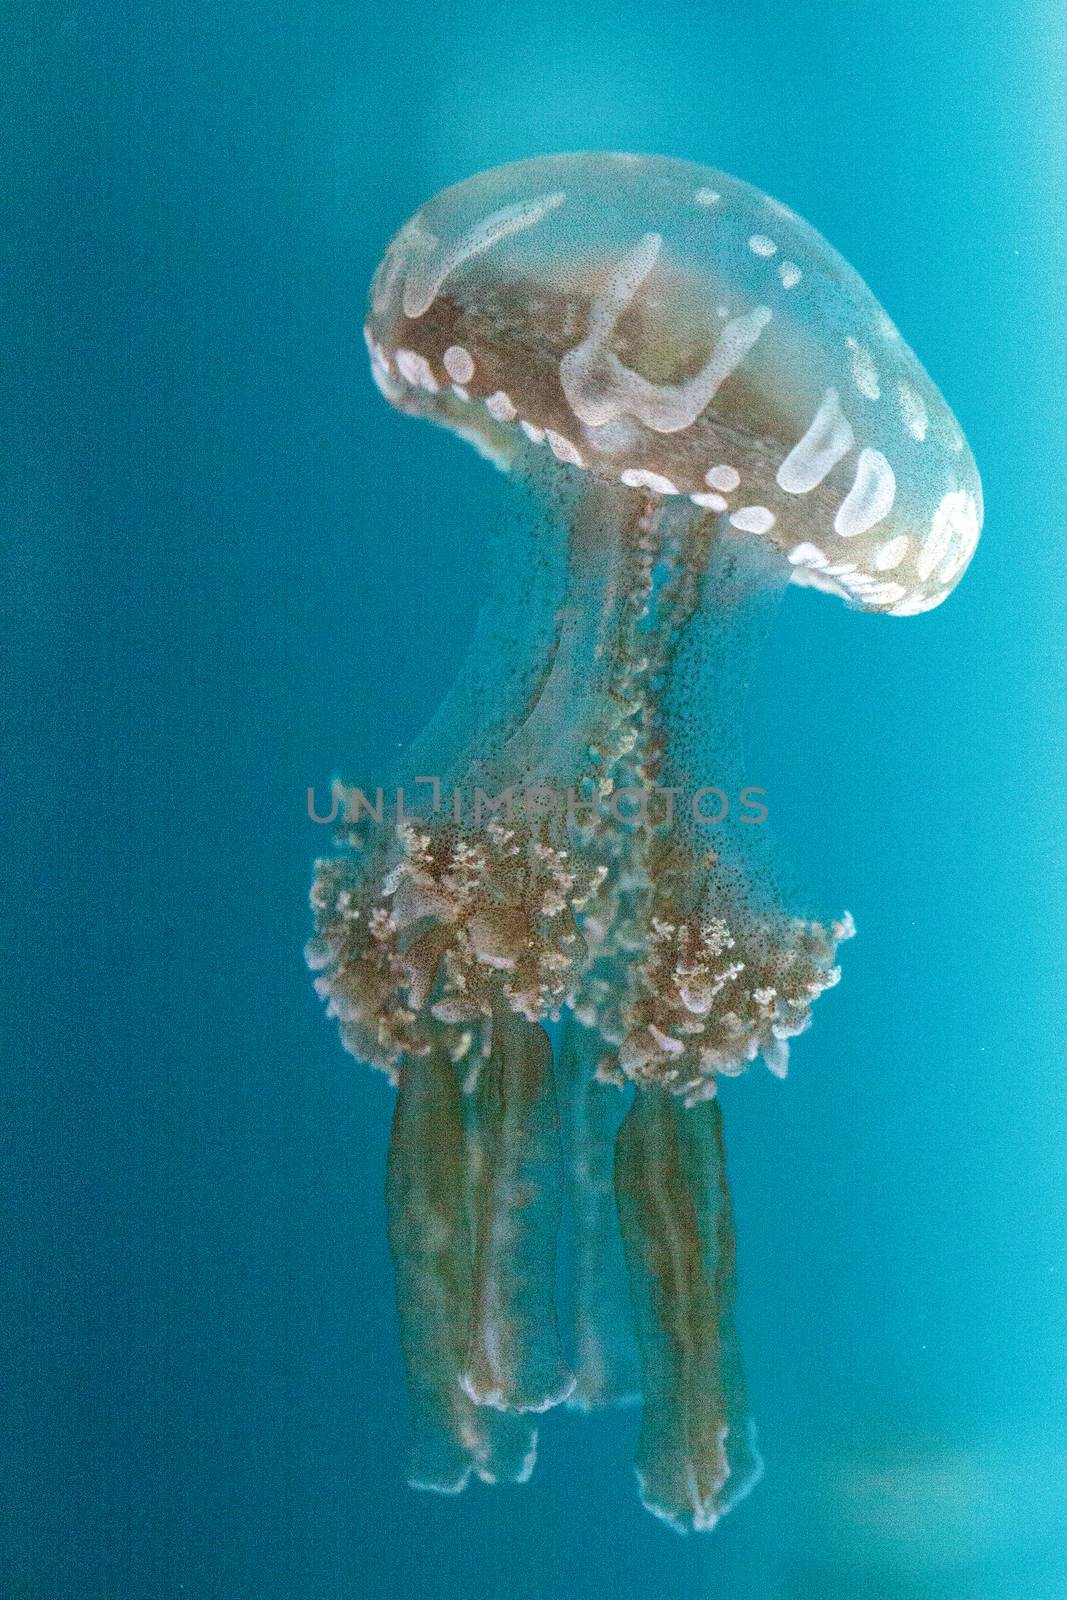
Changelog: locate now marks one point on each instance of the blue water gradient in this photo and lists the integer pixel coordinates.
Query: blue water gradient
(229, 570)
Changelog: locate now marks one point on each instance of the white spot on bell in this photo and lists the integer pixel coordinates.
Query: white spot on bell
(958, 558)
(870, 497)
(753, 519)
(892, 553)
(814, 578)
(760, 245)
(724, 477)
(562, 448)
(807, 555)
(638, 478)
(459, 364)
(864, 371)
(416, 370)
(707, 197)
(828, 438)
(913, 411)
(535, 434)
(710, 502)
(955, 522)
(500, 406)
(789, 273)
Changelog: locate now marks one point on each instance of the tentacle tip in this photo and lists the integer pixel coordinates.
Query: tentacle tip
(517, 1399)
(425, 1483)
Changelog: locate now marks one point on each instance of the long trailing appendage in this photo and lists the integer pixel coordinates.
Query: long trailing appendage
(696, 1454)
(514, 1358)
(430, 1238)
(605, 1353)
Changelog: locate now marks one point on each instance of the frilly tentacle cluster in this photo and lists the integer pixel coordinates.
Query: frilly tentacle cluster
(456, 926)
(459, 925)
(708, 1000)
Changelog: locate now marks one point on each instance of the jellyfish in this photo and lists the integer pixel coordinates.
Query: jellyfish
(558, 953)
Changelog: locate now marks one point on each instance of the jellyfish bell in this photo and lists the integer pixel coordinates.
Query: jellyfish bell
(668, 327)
(710, 386)
(709, 405)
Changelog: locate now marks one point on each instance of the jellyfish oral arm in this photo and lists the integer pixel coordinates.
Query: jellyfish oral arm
(514, 1359)
(429, 1204)
(696, 1455)
(605, 1353)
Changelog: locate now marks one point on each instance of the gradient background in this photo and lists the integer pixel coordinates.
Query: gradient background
(228, 569)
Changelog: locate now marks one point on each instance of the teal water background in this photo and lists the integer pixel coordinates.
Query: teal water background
(229, 569)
